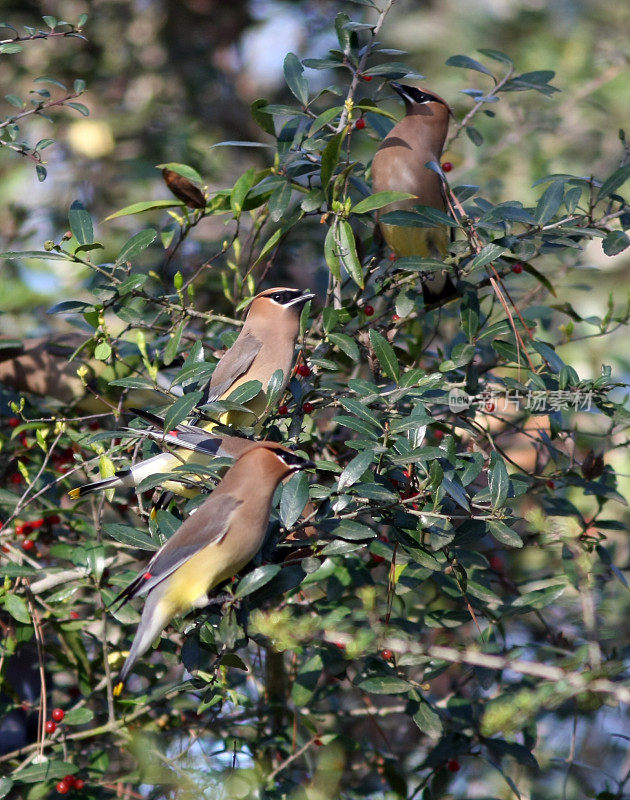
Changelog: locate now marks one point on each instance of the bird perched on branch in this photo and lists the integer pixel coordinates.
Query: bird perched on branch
(213, 544)
(399, 165)
(265, 345)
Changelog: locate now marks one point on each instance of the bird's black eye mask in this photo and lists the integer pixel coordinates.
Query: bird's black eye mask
(285, 296)
(295, 461)
(415, 95)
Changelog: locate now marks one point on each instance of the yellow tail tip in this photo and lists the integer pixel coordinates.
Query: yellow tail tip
(74, 494)
(153, 514)
(118, 689)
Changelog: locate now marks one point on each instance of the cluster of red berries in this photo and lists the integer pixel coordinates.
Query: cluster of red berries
(57, 716)
(69, 782)
(24, 528)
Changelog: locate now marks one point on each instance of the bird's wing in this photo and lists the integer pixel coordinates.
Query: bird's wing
(190, 437)
(234, 363)
(188, 540)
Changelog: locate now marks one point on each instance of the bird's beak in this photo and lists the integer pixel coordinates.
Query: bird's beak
(300, 300)
(306, 464)
(398, 89)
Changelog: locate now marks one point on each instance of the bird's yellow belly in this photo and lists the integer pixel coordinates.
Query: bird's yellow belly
(421, 242)
(194, 579)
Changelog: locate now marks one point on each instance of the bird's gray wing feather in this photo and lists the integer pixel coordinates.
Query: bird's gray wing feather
(234, 363)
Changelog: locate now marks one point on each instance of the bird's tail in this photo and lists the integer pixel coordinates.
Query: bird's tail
(96, 486)
(155, 617)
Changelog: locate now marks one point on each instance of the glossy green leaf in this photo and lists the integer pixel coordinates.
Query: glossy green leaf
(385, 354)
(256, 580)
(80, 223)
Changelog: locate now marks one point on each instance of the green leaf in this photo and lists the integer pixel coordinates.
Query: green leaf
(330, 158)
(323, 119)
(294, 498)
(468, 63)
(16, 606)
(135, 245)
(256, 579)
(145, 205)
(279, 201)
(170, 351)
(84, 110)
(428, 720)
(360, 410)
(392, 69)
(385, 355)
(348, 253)
(417, 264)
(245, 392)
(181, 410)
(11, 47)
(128, 535)
(504, 534)
(488, 253)
(549, 203)
(355, 468)
(42, 255)
(102, 351)
(614, 181)
(497, 55)
(80, 223)
(184, 170)
(48, 771)
(306, 680)
(498, 481)
(387, 684)
(293, 74)
(14, 100)
(346, 344)
(615, 242)
(379, 200)
(330, 253)
(78, 716)
(263, 120)
(540, 278)
(420, 217)
(240, 190)
(50, 21)
(5, 786)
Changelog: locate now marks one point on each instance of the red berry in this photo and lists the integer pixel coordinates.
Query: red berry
(54, 519)
(368, 310)
(50, 726)
(317, 742)
(360, 124)
(6, 549)
(94, 426)
(438, 434)
(23, 440)
(20, 530)
(283, 410)
(340, 645)
(28, 544)
(489, 407)
(36, 524)
(79, 784)
(63, 787)
(69, 779)
(58, 714)
(377, 559)
(387, 655)
(16, 478)
(517, 268)
(14, 422)
(304, 370)
(74, 615)
(366, 77)
(551, 484)
(452, 765)
(392, 256)
(496, 563)
(395, 317)
(307, 408)
(447, 166)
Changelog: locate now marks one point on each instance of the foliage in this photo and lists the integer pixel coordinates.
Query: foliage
(441, 594)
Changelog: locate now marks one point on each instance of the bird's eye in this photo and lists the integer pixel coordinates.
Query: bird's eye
(278, 297)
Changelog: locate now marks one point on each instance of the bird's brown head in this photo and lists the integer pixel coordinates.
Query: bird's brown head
(276, 460)
(423, 102)
(278, 302)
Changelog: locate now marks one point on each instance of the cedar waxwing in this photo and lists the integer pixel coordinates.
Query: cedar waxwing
(265, 344)
(212, 545)
(41, 366)
(398, 165)
(193, 444)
